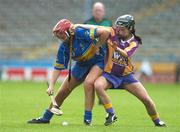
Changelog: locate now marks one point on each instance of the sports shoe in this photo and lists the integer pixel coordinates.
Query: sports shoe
(87, 122)
(39, 120)
(111, 118)
(160, 124)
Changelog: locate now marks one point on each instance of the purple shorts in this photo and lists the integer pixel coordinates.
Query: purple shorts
(118, 81)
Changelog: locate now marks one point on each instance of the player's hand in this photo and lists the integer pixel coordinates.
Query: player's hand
(96, 50)
(50, 91)
(114, 45)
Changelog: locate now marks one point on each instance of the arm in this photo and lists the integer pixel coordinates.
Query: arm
(54, 77)
(116, 48)
(86, 26)
(102, 34)
(128, 51)
(122, 52)
(60, 64)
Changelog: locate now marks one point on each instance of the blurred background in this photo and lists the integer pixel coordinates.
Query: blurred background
(28, 49)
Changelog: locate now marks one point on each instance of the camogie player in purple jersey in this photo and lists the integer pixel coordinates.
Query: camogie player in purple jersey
(118, 72)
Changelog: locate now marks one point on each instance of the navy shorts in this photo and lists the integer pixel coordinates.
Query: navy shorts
(118, 81)
(80, 71)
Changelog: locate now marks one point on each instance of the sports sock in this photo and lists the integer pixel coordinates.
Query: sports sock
(155, 118)
(47, 115)
(109, 108)
(87, 115)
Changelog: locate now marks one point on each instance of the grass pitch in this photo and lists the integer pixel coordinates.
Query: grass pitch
(21, 101)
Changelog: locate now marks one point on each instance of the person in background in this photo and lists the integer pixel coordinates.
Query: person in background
(98, 16)
(145, 69)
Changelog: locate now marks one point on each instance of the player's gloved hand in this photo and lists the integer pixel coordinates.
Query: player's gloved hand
(50, 91)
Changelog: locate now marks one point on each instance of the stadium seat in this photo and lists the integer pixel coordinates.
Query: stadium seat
(15, 73)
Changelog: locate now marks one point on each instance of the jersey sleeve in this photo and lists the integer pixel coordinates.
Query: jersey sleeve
(130, 50)
(88, 34)
(62, 58)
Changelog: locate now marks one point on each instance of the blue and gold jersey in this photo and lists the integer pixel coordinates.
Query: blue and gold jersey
(84, 41)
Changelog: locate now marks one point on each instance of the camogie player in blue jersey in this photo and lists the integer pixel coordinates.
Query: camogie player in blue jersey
(80, 45)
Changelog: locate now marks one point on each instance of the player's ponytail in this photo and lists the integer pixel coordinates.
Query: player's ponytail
(70, 56)
(133, 31)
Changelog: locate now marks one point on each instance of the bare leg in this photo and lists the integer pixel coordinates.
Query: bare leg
(140, 92)
(94, 73)
(101, 84)
(65, 89)
(63, 92)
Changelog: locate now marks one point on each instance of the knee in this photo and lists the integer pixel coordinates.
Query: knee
(89, 84)
(98, 86)
(147, 101)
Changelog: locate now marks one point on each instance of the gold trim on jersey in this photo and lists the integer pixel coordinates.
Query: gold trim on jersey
(92, 33)
(129, 68)
(57, 65)
(109, 63)
(87, 55)
(131, 45)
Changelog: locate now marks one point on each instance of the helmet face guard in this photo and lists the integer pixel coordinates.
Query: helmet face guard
(122, 24)
(126, 21)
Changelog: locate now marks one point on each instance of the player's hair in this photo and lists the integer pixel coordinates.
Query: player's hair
(138, 38)
(70, 55)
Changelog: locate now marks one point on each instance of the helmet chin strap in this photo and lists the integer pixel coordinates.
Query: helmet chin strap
(130, 28)
(68, 35)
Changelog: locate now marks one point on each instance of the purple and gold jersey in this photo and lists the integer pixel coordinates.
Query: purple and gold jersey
(115, 63)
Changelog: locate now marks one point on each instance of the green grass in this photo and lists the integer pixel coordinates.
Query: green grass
(21, 101)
